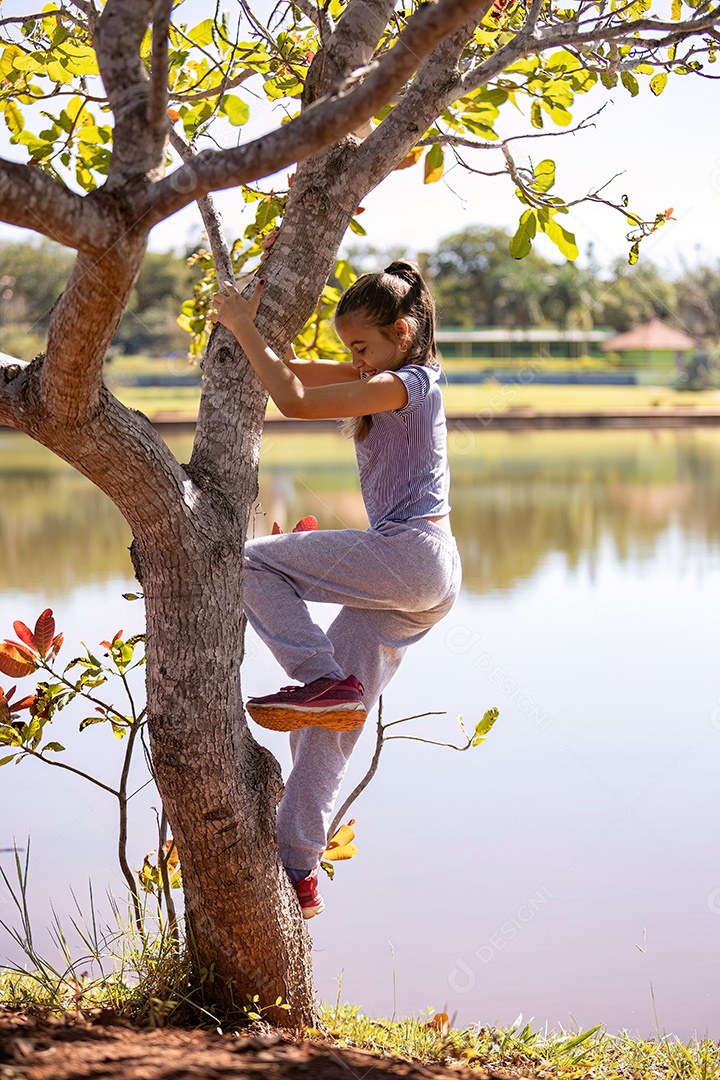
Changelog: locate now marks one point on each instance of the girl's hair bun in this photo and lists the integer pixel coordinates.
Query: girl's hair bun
(406, 271)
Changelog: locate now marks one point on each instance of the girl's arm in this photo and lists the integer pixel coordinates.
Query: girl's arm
(356, 397)
(321, 372)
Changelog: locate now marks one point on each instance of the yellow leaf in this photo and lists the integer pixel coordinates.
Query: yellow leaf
(412, 159)
(658, 83)
(344, 835)
(434, 164)
(339, 854)
(340, 846)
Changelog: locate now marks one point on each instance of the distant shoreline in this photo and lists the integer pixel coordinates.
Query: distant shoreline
(510, 420)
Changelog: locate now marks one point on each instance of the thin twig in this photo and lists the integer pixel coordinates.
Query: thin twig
(123, 829)
(221, 88)
(418, 716)
(72, 769)
(165, 878)
(358, 790)
(430, 742)
(212, 219)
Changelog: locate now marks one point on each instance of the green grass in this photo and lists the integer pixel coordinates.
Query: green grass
(484, 400)
(491, 398)
(519, 1050)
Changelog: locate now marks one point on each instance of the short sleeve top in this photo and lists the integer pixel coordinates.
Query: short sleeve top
(402, 460)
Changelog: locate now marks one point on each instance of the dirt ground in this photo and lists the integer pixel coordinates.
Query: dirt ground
(34, 1049)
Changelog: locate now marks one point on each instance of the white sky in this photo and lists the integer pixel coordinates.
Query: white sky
(667, 148)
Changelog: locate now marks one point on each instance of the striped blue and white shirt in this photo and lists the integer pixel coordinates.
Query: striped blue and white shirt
(402, 460)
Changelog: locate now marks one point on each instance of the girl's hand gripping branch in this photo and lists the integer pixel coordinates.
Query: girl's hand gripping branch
(353, 398)
(232, 310)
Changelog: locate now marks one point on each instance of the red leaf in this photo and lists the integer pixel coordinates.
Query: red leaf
(44, 631)
(106, 644)
(14, 662)
(276, 530)
(117, 636)
(5, 695)
(24, 633)
(29, 654)
(24, 703)
(56, 646)
(306, 524)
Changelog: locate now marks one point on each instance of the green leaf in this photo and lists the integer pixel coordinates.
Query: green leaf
(236, 110)
(630, 83)
(521, 242)
(202, 34)
(56, 747)
(536, 117)
(357, 228)
(634, 253)
(434, 164)
(6, 760)
(563, 240)
(344, 273)
(658, 83)
(544, 175)
(676, 10)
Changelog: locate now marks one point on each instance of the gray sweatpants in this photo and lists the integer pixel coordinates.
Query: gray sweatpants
(394, 582)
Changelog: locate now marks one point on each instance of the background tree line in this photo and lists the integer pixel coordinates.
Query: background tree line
(475, 280)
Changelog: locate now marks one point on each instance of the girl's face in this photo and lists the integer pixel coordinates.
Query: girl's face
(374, 349)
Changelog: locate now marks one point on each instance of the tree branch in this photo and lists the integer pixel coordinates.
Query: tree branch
(212, 219)
(137, 149)
(34, 200)
(323, 123)
(221, 88)
(436, 85)
(63, 12)
(158, 95)
(627, 33)
(94, 298)
(318, 15)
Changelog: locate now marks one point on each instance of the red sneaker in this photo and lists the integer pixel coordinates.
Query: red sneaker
(311, 902)
(336, 704)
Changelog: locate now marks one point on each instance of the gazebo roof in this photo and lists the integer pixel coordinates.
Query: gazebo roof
(650, 337)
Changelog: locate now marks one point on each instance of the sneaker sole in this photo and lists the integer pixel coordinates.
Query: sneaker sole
(282, 718)
(311, 912)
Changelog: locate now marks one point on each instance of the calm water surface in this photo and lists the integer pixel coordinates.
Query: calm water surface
(559, 871)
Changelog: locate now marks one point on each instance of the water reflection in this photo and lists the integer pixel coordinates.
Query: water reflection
(517, 499)
(598, 787)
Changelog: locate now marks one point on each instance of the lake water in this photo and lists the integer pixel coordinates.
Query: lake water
(565, 870)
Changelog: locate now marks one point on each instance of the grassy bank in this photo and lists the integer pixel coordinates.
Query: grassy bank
(484, 400)
(521, 1051)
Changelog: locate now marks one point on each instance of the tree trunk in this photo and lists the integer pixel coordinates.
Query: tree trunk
(219, 787)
